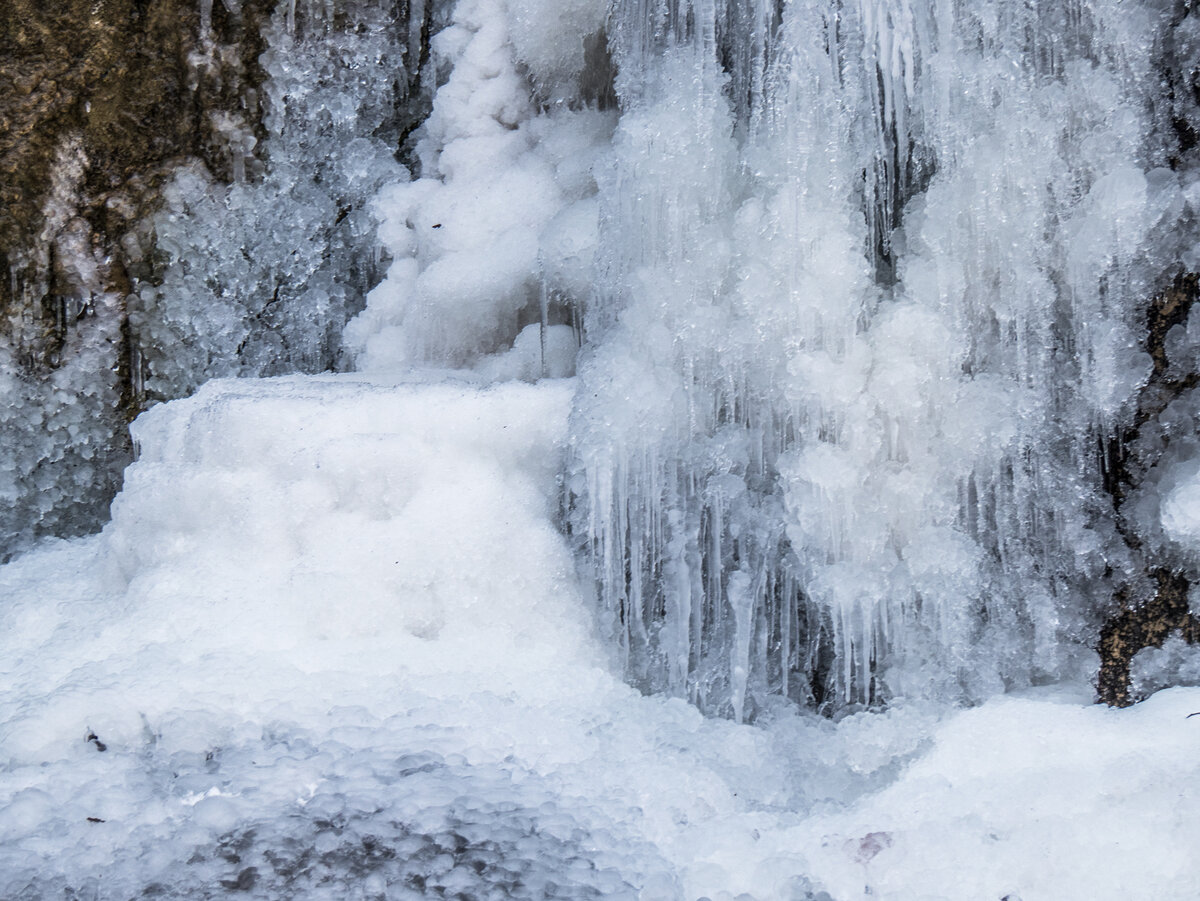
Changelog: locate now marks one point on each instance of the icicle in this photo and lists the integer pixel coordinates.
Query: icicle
(206, 21)
(741, 601)
(239, 162)
(544, 310)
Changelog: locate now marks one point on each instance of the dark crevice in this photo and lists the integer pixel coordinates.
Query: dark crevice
(1138, 623)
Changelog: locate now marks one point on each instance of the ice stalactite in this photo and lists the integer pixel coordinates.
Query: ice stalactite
(854, 333)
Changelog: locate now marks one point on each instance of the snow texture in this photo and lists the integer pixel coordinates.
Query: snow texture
(332, 646)
(499, 231)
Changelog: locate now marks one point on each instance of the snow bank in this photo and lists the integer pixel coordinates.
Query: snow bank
(1031, 799)
(332, 646)
(285, 523)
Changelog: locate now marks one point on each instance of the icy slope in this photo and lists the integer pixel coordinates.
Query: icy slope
(331, 646)
(331, 642)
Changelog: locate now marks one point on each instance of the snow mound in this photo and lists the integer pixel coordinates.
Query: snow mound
(332, 646)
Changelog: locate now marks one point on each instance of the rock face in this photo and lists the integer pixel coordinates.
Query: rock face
(1153, 605)
(98, 102)
(124, 87)
(102, 106)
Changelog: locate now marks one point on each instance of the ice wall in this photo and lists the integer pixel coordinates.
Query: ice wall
(861, 292)
(870, 296)
(60, 407)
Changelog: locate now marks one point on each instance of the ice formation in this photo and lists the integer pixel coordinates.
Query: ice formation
(861, 292)
(499, 231)
(250, 268)
(871, 295)
(259, 276)
(63, 444)
(864, 417)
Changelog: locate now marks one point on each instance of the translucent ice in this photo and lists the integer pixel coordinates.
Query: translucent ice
(870, 292)
(259, 277)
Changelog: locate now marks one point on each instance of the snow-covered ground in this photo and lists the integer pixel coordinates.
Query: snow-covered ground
(332, 646)
(856, 285)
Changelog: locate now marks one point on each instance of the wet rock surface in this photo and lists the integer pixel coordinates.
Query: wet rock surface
(102, 106)
(131, 85)
(98, 103)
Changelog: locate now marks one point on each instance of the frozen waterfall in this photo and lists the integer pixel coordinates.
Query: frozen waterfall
(861, 292)
(761, 409)
(868, 302)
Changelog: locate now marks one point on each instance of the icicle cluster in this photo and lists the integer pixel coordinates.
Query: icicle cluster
(869, 293)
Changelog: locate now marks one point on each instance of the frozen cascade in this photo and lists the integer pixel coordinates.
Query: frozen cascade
(860, 290)
(854, 294)
(868, 299)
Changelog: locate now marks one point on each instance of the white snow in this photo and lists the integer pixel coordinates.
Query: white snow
(499, 220)
(334, 614)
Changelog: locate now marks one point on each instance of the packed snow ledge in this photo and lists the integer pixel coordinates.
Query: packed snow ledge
(332, 646)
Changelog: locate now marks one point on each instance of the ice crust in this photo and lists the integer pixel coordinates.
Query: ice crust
(332, 646)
